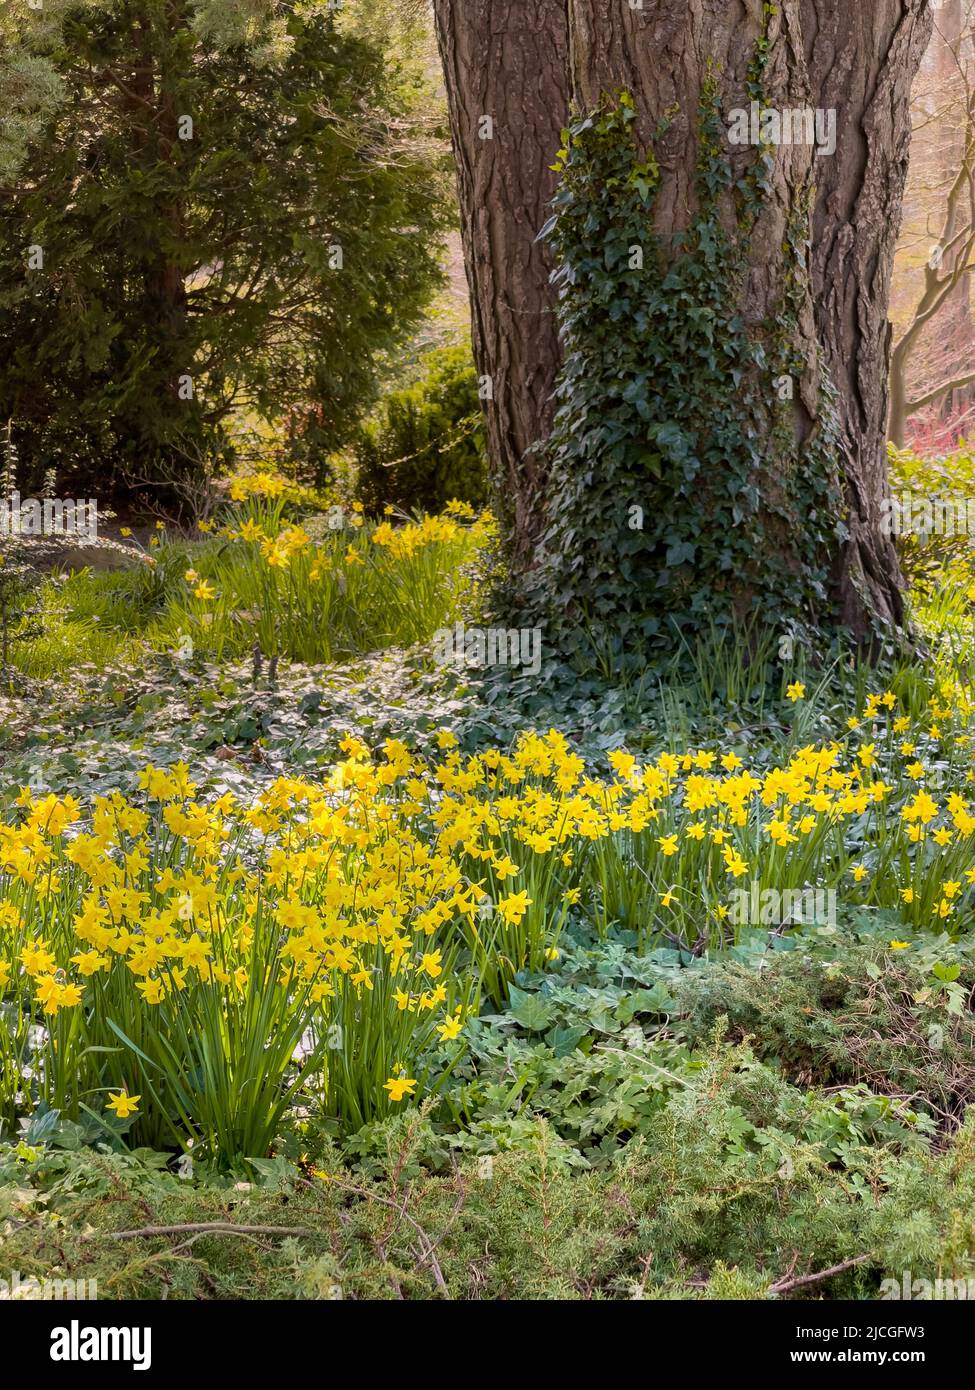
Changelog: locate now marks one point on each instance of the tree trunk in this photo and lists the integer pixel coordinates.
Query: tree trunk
(156, 83)
(855, 59)
(862, 61)
(897, 414)
(507, 60)
(858, 60)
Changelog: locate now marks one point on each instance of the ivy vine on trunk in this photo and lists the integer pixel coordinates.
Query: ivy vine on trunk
(801, 291)
(678, 490)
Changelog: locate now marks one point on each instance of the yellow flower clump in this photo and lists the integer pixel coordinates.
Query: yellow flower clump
(380, 901)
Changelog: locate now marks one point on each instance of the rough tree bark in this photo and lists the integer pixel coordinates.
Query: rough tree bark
(507, 60)
(857, 59)
(862, 60)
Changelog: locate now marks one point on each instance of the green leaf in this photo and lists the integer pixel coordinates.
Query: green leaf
(564, 1041)
(529, 1010)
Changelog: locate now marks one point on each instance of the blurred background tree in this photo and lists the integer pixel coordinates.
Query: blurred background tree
(933, 362)
(206, 209)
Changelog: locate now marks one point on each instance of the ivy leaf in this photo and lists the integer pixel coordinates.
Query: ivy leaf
(646, 1001)
(564, 1041)
(529, 1010)
(681, 552)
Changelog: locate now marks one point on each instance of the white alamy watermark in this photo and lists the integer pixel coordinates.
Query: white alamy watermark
(790, 125)
(16, 1288)
(48, 516)
(491, 646)
(927, 1290)
(77, 1343)
(756, 906)
(908, 514)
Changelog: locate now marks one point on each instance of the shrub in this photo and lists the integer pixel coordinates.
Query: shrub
(731, 1193)
(837, 1013)
(931, 496)
(425, 446)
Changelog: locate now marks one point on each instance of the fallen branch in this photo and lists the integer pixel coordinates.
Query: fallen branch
(786, 1285)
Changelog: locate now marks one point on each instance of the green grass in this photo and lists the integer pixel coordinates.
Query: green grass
(328, 599)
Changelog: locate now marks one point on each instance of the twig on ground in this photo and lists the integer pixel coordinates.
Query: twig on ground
(429, 1255)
